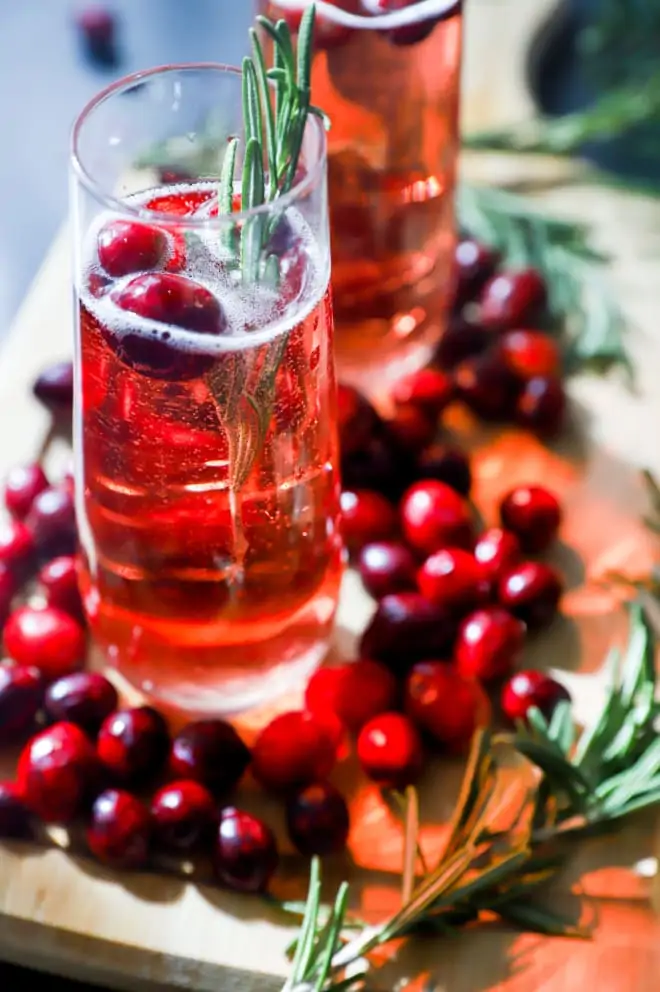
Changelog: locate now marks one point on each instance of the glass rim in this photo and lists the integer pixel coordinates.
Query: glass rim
(119, 205)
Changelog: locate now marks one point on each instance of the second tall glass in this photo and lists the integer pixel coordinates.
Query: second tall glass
(207, 496)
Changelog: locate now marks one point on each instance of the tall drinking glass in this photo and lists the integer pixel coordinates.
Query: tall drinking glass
(387, 73)
(205, 422)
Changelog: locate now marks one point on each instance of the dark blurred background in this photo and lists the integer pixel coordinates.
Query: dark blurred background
(48, 75)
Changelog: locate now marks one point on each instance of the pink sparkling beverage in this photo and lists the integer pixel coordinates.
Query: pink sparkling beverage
(206, 429)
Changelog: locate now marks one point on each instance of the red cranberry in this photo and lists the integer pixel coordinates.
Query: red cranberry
(451, 578)
(530, 353)
(54, 388)
(296, 748)
(390, 750)
(487, 386)
(318, 820)
(405, 628)
(531, 591)
(444, 704)
(447, 464)
(381, 467)
(97, 28)
(46, 638)
(411, 427)
(462, 339)
(497, 551)
(183, 813)
(365, 517)
(358, 421)
(57, 773)
(15, 816)
(474, 264)
(209, 752)
(127, 246)
(533, 514)
(22, 485)
(17, 549)
(119, 832)
(7, 590)
(435, 516)
(541, 406)
(21, 694)
(84, 698)
(52, 521)
(386, 567)
(409, 34)
(133, 744)
(512, 299)
(245, 854)
(355, 692)
(59, 579)
(489, 644)
(429, 389)
(531, 688)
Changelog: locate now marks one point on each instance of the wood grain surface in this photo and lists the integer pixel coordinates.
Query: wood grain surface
(64, 914)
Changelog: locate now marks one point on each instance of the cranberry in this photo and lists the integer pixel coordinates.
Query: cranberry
(318, 820)
(531, 591)
(17, 549)
(474, 264)
(533, 514)
(390, 750)
(59, 579)
(462, 339)
(170, 300)
(129, 246)
(435, 516)
(21, 694)
(487, 386)
(52, 522)
(405, 628)
(531, 688)
(294, 749)
(366, 516)
(133, 744)
(451, 578)
(358, 421)
(119, 831)
(355, 692)
(57, 772)
(512, 299)
(429, 389)
(489, 644)
(7, 591)
(381, 467)
(245, 852)
(530, 353)
(54, 388)
(183, 813)
(209, 752)
(97, 28)
(497, 551)
(386, 567)
(444, 704)
(15, 816)
(409, 34)
(22, 485)
(447, 464)
(411, 427)
(46, 638)
(84, 698)
(541, 406)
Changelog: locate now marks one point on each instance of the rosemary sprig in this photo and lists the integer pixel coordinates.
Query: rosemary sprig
(586, 780)
(581, 303)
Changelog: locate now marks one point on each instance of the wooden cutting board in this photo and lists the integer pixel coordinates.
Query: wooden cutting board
(66, 915)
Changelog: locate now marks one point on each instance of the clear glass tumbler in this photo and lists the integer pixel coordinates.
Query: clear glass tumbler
(387, 73)
(205, 420)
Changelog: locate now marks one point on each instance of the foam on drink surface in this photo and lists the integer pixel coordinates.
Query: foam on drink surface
(255, 313)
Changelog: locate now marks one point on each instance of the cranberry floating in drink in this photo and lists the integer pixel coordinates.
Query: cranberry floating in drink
(207, 494)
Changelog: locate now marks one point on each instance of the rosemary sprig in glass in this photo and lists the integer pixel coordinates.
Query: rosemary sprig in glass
(585, 781)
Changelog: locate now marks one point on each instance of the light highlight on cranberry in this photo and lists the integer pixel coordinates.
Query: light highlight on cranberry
(130, 246)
